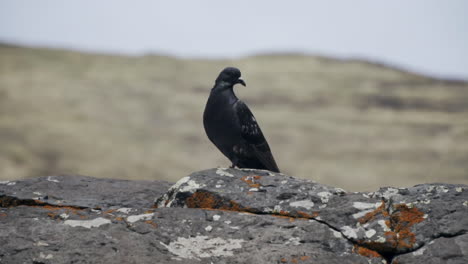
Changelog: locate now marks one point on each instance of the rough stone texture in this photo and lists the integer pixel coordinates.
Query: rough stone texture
(387, 223)
(83, 191)
(234, 216)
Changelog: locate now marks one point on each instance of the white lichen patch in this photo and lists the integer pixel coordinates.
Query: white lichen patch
(307, 204)
(37, 193)
(284, 182)
(465, 203)
(64, 216)
(253, 190)
(51, 179)
(135, 218)
(227, 222)
(384, 226)
(459, 189)
(223, 172)
(218, 186)
(203, 247)
(208, 228)
(426, 201)
(389, 192)
(349, 232)
(124, 210)
(339, 190)
(277, 209)
(41, 244)
(88, 223)
(442, 188)
(419, 252)
(8, 183)
(380, 239)
(293, 240)
(364, 206)
(216, 217)
(430, 188)
(324, 196)
(362, 213)
(44, 256)
(190, 186)
(179, 183)
(337, 234)
(255, 170)
(370, 233)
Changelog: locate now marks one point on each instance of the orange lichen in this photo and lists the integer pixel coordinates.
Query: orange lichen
(52, 215)
(295, 260)
(119, 218)
(3, 215)
(366, 252)
(109, 211)
(284, 213)
(202, 200)
(306, 215)
(400, 222)
(371, 215)
(68, 209)
(151, 223)
(207, 200)
(39, 204)
(250, 180)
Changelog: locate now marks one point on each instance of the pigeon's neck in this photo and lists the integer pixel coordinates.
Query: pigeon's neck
(227, 93)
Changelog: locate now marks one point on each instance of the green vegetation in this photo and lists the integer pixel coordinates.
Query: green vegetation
(350, 123)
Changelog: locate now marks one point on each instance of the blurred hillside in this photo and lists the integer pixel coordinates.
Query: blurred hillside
(351, 124)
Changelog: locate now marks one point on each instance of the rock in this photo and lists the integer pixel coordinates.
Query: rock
(82, 191)
(228, 216)
(383, 224)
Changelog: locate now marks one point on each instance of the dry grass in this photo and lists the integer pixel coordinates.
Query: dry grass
(346, 123)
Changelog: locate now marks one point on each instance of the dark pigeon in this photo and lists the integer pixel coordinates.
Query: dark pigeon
(233, 129)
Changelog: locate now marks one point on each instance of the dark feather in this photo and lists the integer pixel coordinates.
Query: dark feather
(231, 126)
(253, 137)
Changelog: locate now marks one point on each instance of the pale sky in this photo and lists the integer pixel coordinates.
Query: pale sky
(426, 36)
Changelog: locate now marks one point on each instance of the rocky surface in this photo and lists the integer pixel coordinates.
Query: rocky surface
(229, 216)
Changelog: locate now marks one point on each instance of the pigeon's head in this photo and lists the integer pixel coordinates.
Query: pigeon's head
(229, 77)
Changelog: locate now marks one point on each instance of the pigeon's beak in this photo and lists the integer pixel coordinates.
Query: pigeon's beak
(241, 81)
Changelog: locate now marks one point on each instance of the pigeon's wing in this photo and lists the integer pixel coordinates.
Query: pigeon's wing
(253, 136)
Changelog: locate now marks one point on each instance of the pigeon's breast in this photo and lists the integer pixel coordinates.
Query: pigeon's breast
(222, 126)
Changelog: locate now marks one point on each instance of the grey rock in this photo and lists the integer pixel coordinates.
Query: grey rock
(387, 223)
(83, 191)
(228, 216)
(452, 250)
